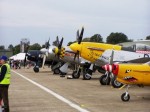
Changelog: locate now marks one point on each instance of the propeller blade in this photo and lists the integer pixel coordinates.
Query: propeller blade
(47, 44)
(57, 40)
(44, 59)
(58, 48)
(77, 36)
(111, 65)
(60, 44)
(76, 56)
(81, 35)
(111, 58)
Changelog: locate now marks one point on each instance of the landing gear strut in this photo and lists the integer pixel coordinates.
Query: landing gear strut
(87, 71)
(77, 71)
(105, 79)
(87, 74)
(125, 96)
(76, 74)
(55, 68)
(115, 83)
(109, 77)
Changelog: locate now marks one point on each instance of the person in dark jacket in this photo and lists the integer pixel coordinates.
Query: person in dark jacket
(4, 82)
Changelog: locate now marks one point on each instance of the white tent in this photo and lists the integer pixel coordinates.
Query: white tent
(19, 56)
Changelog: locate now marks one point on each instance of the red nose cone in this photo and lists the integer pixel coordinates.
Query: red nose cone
(115, 69)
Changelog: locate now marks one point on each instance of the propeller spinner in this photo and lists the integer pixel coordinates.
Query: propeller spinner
(59, 50)
(76, 47)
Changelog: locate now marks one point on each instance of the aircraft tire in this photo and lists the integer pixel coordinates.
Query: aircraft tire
(116, 84)
(85, 77)
(124, 97)
(56, 71)
(104, 81)
(36, 69)
(75, 75)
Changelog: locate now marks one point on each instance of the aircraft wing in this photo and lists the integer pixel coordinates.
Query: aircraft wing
(140, 60)
(122, 56)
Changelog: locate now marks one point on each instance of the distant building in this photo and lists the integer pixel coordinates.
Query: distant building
(23, 44)
(125, 44)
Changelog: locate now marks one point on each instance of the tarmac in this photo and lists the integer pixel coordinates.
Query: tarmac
(46, 92)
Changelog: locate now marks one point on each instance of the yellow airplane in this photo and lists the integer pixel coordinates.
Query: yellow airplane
(90, 51)
(134, 74)
(93, 52)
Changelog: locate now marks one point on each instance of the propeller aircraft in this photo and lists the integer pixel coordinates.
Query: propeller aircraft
(36, 56)
(118, 57)
(130, 74)
(41, 57)
(68, 57)
(93, 51)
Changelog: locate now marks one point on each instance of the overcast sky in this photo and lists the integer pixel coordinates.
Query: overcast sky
(38, 20)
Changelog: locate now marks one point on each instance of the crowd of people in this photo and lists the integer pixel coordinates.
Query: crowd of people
(15, 64)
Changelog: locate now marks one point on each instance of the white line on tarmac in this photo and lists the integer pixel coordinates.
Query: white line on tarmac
(53, 93)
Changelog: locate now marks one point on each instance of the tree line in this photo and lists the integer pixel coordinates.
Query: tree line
(113, 38)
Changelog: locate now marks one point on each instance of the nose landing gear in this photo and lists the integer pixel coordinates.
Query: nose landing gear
(125, 96)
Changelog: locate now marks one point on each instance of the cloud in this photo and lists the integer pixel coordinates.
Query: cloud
(36, 18)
